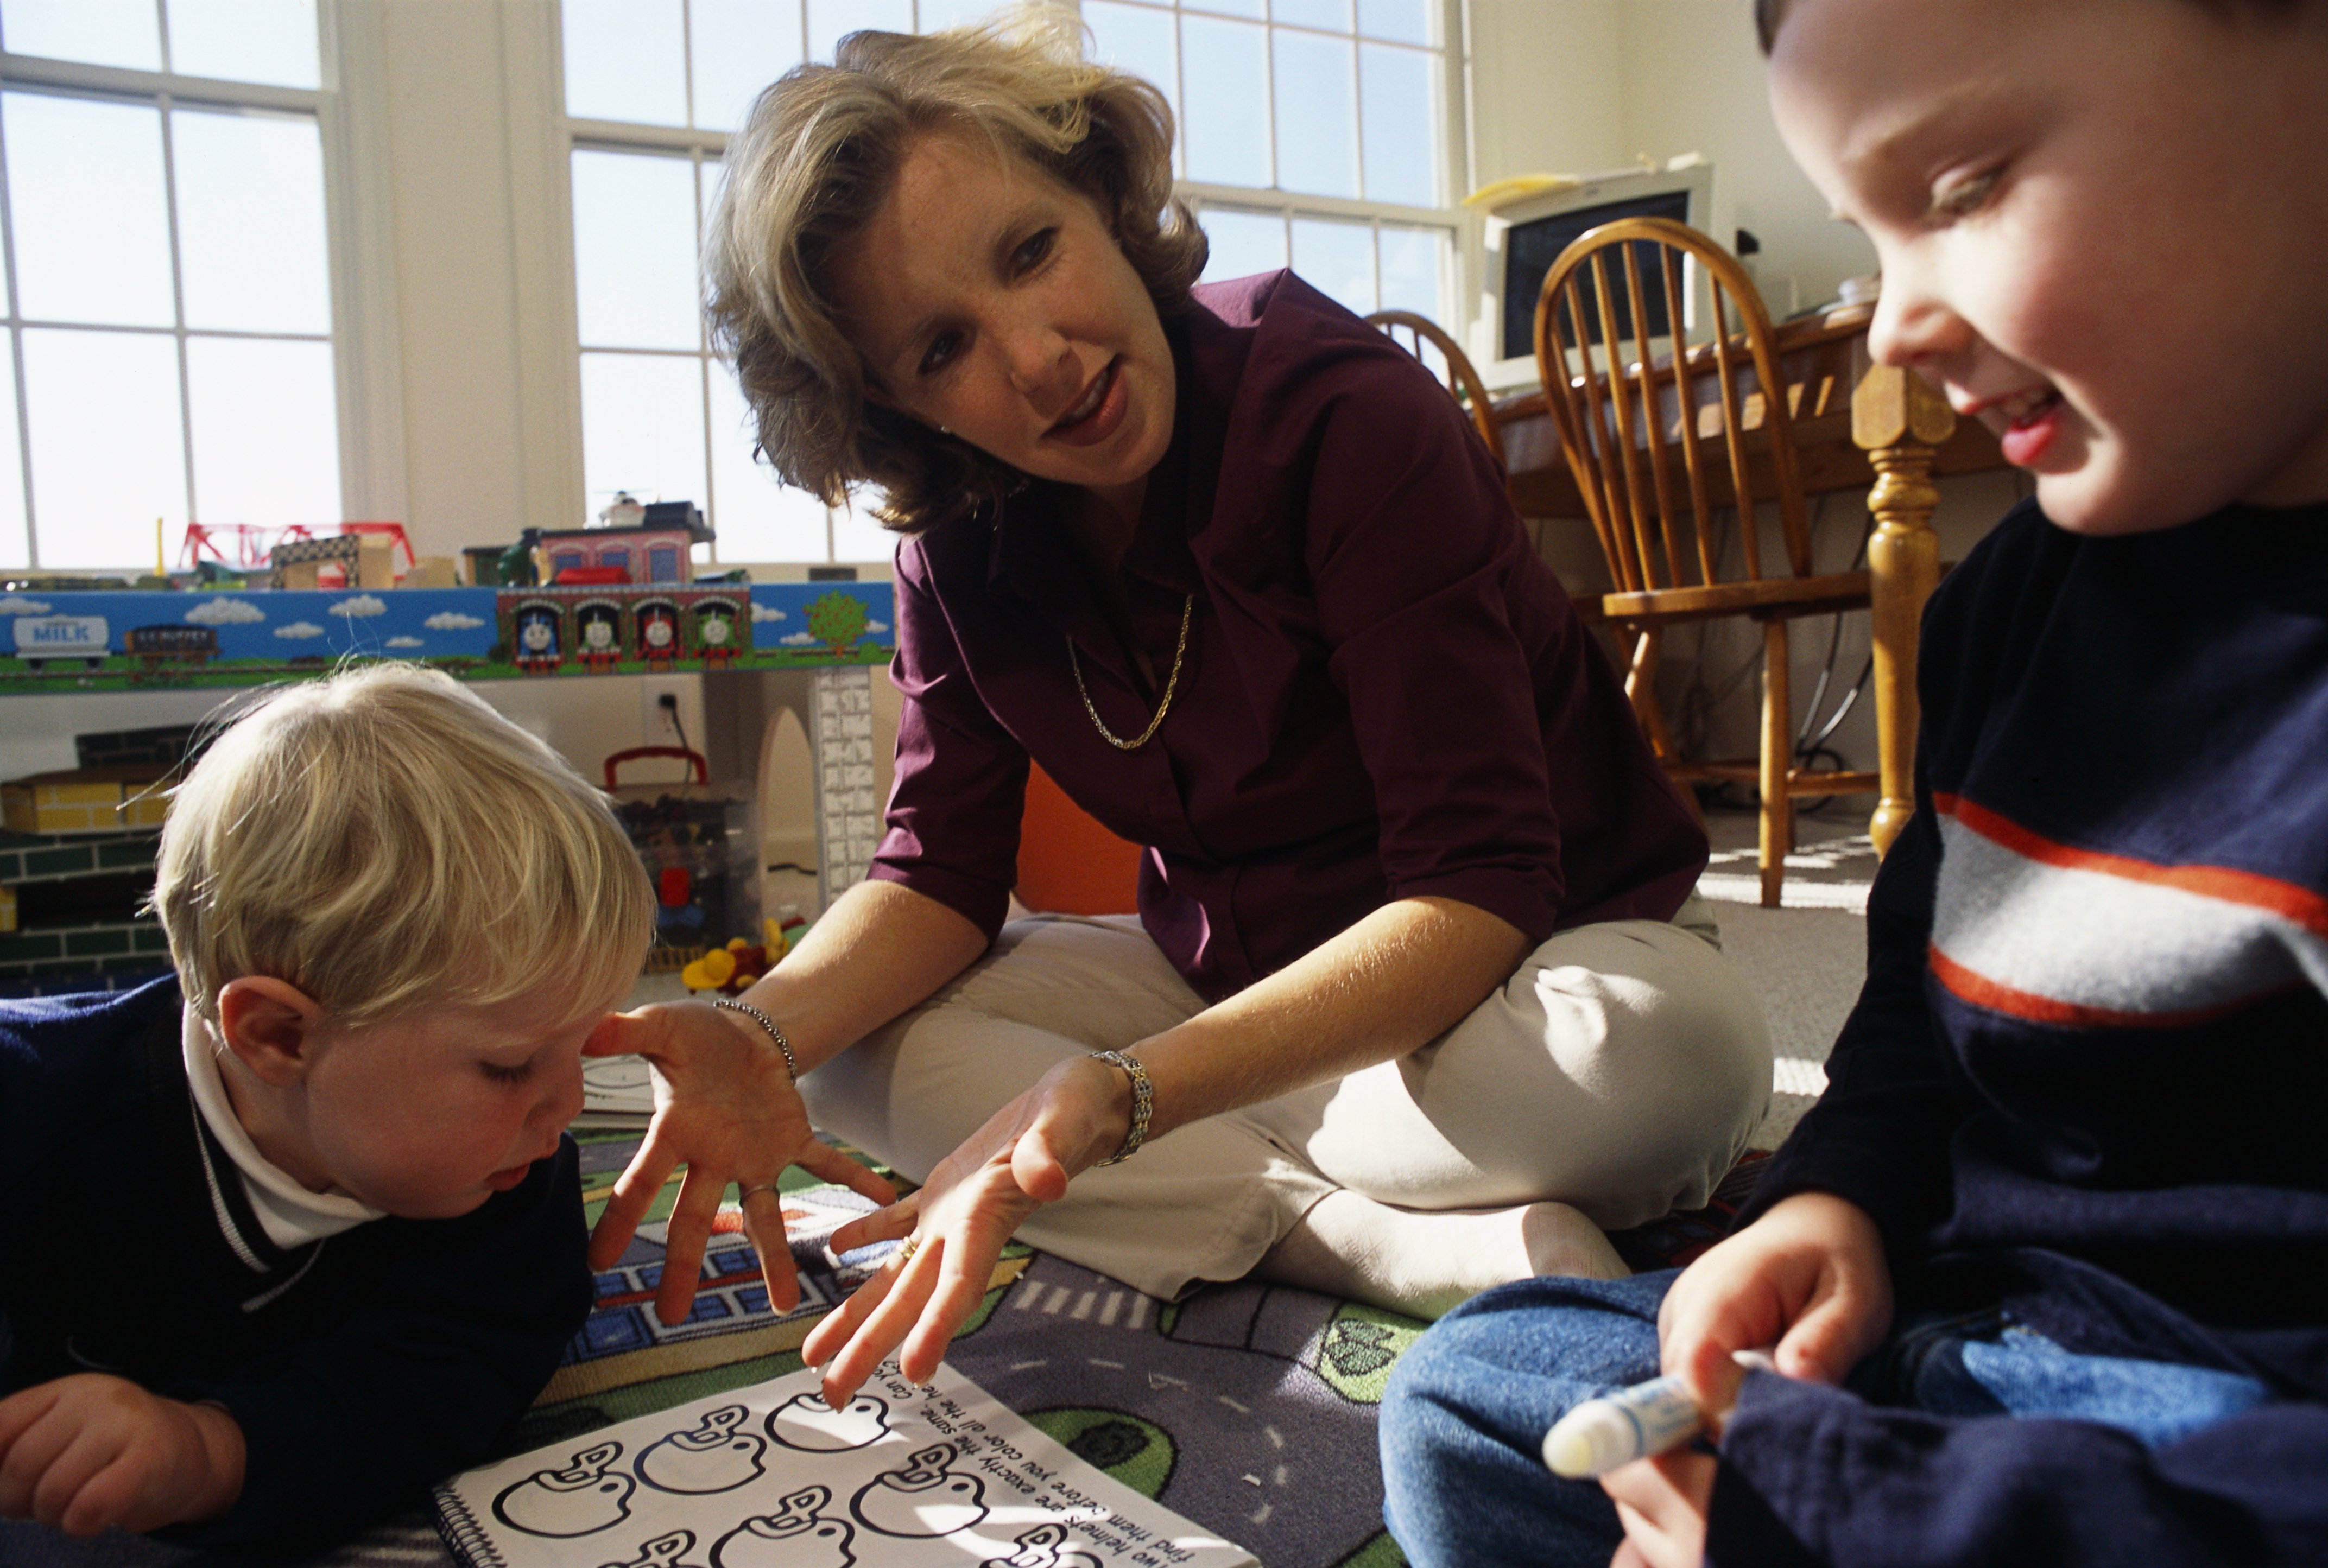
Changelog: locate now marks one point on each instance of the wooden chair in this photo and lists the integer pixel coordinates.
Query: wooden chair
(1623, 419)
(1463, 382)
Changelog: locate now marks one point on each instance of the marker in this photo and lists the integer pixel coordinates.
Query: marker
(1631, 1423)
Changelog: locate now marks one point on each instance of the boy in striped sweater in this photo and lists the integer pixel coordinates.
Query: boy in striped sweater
(2046, 1270)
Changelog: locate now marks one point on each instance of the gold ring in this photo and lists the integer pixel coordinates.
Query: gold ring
(746, 1195)
(904, 1253)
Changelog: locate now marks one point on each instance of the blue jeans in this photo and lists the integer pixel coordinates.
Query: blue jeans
(1467, 1409)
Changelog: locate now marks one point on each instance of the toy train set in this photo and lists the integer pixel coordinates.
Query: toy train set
(84, 639)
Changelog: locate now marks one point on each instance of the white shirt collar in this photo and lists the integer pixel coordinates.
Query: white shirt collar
(290, 1214)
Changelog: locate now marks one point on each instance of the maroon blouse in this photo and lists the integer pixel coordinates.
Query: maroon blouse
(1386, 694)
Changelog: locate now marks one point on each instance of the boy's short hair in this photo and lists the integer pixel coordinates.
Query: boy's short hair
(383, 839)
(1769, 15)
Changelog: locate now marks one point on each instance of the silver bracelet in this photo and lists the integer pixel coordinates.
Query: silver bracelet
(768, 1023)
(1143, 1101)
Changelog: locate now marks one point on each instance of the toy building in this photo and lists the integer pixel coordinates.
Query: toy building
(654, 551)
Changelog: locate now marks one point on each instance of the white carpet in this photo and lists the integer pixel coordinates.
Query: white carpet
(1804, 959)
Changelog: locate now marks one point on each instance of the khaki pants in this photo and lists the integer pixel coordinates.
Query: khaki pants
(1621, 1069)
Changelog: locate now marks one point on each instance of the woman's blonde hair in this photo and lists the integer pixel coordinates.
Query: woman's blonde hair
(814, 163)
(384, 840)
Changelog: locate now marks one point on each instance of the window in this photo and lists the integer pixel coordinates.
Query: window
(170, 351)
(1316, 134)
(653, 89)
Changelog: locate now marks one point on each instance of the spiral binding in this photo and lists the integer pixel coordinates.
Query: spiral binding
(463, 1536)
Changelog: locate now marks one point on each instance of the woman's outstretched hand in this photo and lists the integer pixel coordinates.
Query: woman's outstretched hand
(1076, 1115)
(725, 1106)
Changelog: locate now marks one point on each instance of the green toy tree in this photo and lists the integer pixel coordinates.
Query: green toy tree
(837, 620)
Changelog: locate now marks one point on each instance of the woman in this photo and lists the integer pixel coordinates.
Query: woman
(1418, 989)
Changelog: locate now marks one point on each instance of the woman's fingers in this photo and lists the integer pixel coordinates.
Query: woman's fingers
(963, 1279)
(684, 1236)
(894, 1223)
(634, 1194)
(763, 1210)
(823, 1160)
(877, 1331)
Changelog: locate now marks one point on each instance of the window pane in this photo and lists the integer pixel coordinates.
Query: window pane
(1401, 102)
(830, 20)
(1227, 102)
(92, 231)
(1399, 20)
(740, 47)
(109, 452)
(757, 517)
(1414, 260)
(1244, 243)
(250, 222)
(641, 427)
(14, 540)
(634, 275)
(267, 431)
(1332, 14)
(937, 15)
(625, 60)
(1317, 116)
(1132, 38)
(857, 537)
(124, 33)
(1336, 259)
(270, 41)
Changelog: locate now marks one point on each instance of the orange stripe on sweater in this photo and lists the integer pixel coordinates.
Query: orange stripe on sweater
(1980, 991)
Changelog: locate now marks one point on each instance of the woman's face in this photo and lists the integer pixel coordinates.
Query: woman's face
(992, 301)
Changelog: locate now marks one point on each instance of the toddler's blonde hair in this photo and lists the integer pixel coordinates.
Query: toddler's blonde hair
(383, 839)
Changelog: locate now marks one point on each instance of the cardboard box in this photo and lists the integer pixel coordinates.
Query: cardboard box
(83, 800)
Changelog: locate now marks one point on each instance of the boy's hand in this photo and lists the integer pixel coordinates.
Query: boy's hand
(1662, 1503)
(1808, 1277)
(88, 1452)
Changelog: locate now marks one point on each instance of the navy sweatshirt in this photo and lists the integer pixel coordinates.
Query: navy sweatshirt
(362, 1368)
(2086, 1079)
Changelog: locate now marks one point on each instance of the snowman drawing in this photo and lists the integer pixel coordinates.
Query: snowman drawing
(584, 1497)
(805, 1422)
(1040, 1547)
(663, 1552)
(922, 1500)
(797, 1535)
(715, 1457)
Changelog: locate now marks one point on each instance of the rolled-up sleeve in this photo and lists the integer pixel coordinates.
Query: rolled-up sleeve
(959, 785)
(1411, 544)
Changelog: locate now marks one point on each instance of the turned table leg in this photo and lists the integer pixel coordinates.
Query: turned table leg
(1898, 420)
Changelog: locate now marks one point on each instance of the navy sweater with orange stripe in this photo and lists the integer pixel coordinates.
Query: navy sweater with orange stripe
(2086, 1079)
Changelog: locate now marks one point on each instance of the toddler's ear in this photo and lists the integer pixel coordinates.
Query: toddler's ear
(270, 1025)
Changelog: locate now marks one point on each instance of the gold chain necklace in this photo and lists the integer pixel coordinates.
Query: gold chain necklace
(1163, 707)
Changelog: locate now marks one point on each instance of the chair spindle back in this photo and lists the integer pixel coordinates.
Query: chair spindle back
(1617, 421)
(1454, 369)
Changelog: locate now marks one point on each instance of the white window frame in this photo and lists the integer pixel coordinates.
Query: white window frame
(551, 206)
(349, 108)
(1455, 157)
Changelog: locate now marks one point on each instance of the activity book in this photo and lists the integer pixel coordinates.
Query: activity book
(770, 1477)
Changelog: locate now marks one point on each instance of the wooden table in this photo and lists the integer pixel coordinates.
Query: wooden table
(1857, 424)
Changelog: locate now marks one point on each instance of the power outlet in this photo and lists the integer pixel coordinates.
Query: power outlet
(670, 712)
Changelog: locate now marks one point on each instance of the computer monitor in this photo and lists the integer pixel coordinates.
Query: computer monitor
(1526, 236)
